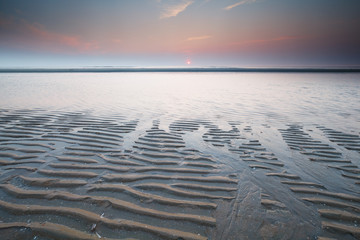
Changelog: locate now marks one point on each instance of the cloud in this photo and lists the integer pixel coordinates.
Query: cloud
(198, 38)
(262, 41)
(239, 3)
(45, 35)
(116, 40)
(18, 32)
(5, 21)
(172, 10)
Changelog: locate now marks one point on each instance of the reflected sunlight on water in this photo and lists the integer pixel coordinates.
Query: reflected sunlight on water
(312, 98)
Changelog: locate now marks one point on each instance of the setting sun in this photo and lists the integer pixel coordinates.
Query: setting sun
(188, 61)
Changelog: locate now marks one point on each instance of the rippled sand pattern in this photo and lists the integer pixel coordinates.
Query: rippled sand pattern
(74, 175)
(70, 165)
(337, 210)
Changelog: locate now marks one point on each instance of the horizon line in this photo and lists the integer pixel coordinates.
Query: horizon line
(182, 69)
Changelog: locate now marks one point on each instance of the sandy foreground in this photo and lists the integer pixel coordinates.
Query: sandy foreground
(73, 175)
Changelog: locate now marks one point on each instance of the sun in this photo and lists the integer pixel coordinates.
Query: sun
(188, 61)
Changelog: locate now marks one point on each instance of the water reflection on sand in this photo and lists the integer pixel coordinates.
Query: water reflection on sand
(180, 155)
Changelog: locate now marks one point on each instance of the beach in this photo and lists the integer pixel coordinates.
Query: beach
(186, 155)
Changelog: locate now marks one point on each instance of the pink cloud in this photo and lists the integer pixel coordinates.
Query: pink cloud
(59, 39)
(239, 3)
(198, 38)
(5, 21)
(256, 45)
(21, 33)
(265, 41)
(173, 10)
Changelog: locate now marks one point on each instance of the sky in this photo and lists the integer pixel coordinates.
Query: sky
(179, 33)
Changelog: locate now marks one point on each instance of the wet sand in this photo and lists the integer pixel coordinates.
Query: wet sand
(78, 175)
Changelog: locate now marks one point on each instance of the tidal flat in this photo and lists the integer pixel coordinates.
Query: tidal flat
(180, 155)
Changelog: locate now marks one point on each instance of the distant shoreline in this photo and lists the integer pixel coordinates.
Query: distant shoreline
(259, 70)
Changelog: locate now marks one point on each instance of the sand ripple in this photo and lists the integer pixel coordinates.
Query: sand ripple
(72, 175)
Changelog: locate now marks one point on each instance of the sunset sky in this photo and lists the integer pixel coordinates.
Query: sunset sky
(146, 33)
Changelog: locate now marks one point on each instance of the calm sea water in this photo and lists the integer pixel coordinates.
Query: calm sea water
(328, 99)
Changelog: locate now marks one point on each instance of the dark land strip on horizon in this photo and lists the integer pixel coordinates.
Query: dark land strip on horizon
(182, 69)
